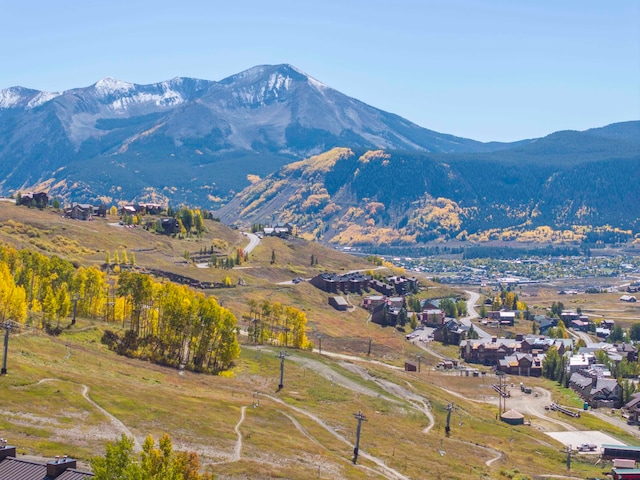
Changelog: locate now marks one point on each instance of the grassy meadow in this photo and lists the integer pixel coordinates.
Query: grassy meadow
(69, 394)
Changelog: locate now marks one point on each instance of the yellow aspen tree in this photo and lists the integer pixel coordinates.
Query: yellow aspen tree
(63, 300)
(13, 299)
(50, 304)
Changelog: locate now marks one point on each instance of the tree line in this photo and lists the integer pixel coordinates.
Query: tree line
(274, 323)
(162, 322)
(155, 462)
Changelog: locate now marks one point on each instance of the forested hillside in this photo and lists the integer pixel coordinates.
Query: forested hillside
(380, 197)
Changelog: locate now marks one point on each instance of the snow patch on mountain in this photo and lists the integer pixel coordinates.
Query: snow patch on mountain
(9, 98)
(169, 98)
(109, 86)
(278, 81)
(274, 87)
(42, 98)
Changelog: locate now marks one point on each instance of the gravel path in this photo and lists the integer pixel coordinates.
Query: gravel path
(238, 448)
(386, 471)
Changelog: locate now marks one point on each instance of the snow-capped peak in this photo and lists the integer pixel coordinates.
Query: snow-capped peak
(108, 86)
(9, 97)
(42, 98)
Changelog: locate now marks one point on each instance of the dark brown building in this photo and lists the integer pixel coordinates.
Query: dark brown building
(12, 468)
(35, 199)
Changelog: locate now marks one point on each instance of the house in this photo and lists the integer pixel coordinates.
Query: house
(382, 287)
(401, 284)
(278, 230)
(339, 303)
(354, 282)
(628, 298)
(128, 210)
(85, 211)
(79, 211)
(432, 317)
(581, 361)
(100, 210)
(35, 199)
(396, 302)
(170, 226)
(632, 409)
(149, 208)
(12, 468)
(507, 317)
(596, 390)
(627, 350)
(451, 332)
(490, 351)
(545, 323)
(371, 301)
(568, 315)
(504, 317)
(579, 325)
(526, 364)
(410, 366)
(487, 352)
(383, 315)
(625, 474)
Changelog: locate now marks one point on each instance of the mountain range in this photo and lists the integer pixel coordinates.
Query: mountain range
(201, 142)
(186, 139)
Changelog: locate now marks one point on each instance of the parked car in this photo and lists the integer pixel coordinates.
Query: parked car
(586, 447)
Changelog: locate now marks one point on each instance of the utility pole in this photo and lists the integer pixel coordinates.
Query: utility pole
(75, 307)
(447, 428)
(568, 450)
(7, 326)
(419, 361)
(369, 351)
(361, 418)
(282, 356)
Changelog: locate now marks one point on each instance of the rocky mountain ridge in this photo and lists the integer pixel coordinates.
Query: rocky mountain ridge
(189, 140)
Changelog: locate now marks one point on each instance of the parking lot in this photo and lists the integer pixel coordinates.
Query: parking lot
(421, 334)
(576, 438)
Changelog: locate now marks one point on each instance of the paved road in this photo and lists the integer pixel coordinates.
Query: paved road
(471, 311)
(254, 240)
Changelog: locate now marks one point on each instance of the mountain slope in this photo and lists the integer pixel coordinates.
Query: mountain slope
(179, 140)
(358, 197)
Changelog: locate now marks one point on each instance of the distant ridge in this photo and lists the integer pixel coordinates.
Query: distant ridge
(199, 142)
(386, 198)
(188, 140)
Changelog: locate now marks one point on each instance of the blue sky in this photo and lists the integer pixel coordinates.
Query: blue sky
(483, 69)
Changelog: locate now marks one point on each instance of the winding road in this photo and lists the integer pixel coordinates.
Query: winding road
(254, 241)
(471, 311)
